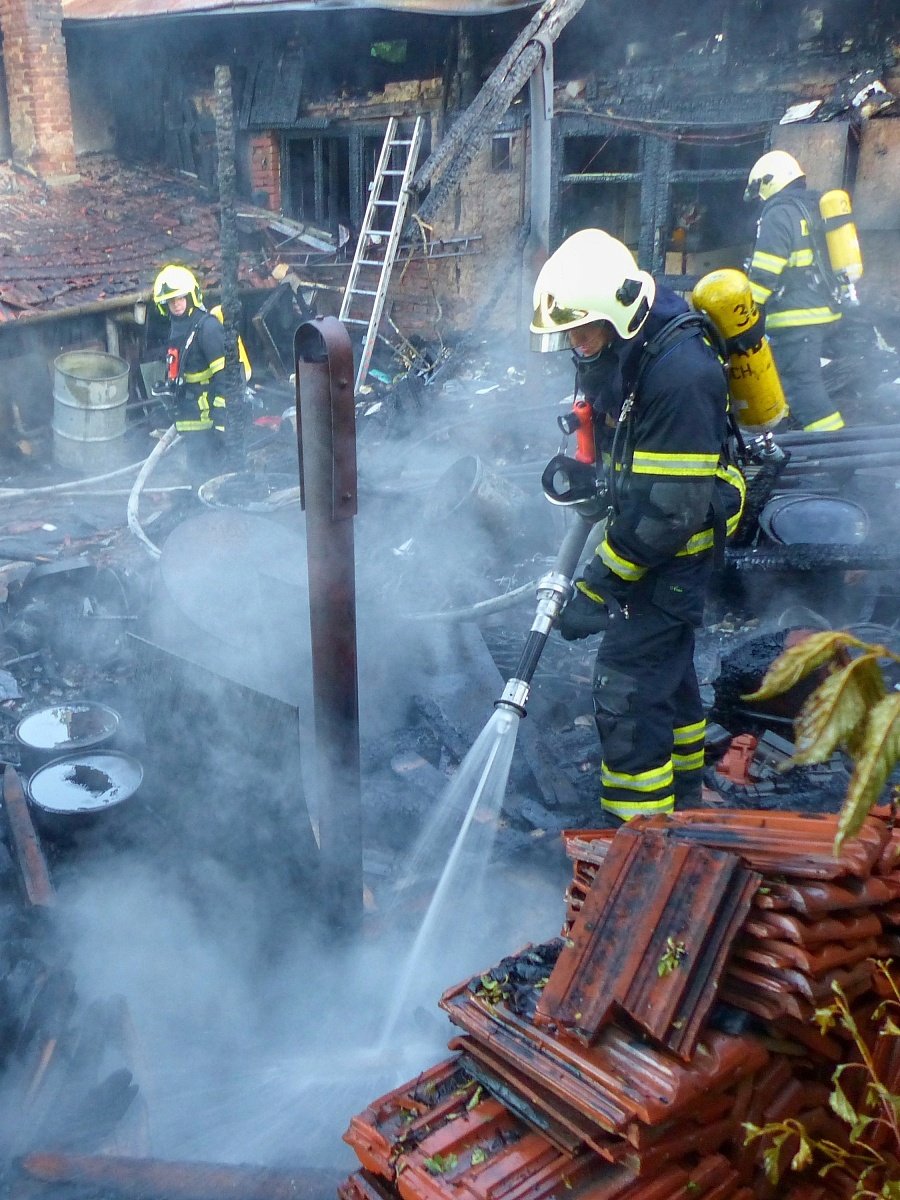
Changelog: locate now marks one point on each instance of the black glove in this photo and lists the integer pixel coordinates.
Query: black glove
(582, 616)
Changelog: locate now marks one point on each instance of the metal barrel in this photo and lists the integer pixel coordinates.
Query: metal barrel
(90, 392)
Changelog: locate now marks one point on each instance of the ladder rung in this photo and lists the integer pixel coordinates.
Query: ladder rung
(378, 233)
(362, 292)
(393, 172)
(355, 321)
(371, 262)
(387, 203)
(402, 143)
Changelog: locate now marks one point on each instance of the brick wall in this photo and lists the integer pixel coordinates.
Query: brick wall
(264, 151)
(37, 83)
(449, 293)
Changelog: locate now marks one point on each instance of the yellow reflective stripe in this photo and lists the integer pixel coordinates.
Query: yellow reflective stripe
(198, 376)
(834, 421)
(626, 810)
(189, 426)
(688, 762)
(581, 586)
(219, 402)
(800, 316)
(643, 781)
(619, 565)
(801, 258)
(650, 462)
(772, 263)
(217, 364)
(759, 293)
(689, 733)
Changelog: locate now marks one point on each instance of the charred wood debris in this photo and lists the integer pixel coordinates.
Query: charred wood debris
(450, 458)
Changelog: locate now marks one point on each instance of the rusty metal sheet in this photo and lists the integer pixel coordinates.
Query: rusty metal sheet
(655, 904)
(781, 843)
(621, 1078)
(111, 10)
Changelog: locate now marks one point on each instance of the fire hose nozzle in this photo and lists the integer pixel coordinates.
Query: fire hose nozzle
(553, 593)
(515, 696)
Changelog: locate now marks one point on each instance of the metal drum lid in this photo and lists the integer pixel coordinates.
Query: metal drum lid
(814, 521)
(85, 783)
(65, 727)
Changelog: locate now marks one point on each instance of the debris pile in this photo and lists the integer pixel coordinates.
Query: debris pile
(624, 1059)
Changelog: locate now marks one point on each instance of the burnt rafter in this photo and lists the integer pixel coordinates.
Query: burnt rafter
(443, 169)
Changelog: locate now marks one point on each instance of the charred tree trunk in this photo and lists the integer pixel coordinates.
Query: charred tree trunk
(444, 169)
(233, 384)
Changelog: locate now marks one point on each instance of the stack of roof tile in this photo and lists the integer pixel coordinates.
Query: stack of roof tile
(623, 1059)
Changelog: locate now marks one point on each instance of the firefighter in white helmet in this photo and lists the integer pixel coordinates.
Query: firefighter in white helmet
(195, 366)
(646, 363)
(788, 279)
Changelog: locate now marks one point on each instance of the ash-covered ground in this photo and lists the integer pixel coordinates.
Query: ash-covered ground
(198, 900)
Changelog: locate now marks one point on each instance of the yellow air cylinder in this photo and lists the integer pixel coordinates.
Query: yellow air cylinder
(219, 313)
(756, 391)
(840, 235)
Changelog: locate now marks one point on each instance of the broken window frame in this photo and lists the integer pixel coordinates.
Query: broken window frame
(656, 176)
(357, 133)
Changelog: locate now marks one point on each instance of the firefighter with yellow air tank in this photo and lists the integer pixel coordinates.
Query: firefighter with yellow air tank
(806, 254)
(195, 367)
(650, 370)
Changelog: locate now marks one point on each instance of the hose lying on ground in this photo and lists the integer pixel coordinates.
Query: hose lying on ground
(169, 438)
(809, 557)
(15, 493)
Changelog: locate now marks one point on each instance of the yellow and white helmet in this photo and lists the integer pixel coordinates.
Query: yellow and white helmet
(591, 277)
(172, 282)
(771, 173)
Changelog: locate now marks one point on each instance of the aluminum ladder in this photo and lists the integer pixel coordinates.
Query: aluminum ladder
(363, 301)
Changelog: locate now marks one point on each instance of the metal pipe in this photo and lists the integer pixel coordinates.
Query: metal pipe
(152, 1177)
(810, 437)
(845, 449)
(553, 591)
(326, 436)
(852, 463)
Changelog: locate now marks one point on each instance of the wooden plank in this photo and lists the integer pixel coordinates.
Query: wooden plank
(29, 855)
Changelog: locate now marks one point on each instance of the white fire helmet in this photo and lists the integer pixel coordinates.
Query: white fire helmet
(591, 277)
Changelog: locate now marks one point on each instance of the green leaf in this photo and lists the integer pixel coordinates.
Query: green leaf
(860, 1127)
(832, 715)
(479, 1154)
(801, 660)
(475, 1098)
(879, 754)
(839, 1103)
(803, 1157)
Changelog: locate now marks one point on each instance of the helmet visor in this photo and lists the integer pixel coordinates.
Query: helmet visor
(548, 343)
(552, 317)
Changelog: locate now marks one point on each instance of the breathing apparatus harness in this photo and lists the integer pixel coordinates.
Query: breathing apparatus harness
(820, 272)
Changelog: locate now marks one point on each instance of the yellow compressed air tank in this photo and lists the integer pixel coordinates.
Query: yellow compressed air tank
(756, 391)
(840, 236)
(219, 313)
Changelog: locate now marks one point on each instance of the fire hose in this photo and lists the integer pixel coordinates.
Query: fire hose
(809, 557)
(553, 590)
(169, 438)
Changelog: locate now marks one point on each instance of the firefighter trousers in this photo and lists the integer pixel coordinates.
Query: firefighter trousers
(798, 353)
(649, 714)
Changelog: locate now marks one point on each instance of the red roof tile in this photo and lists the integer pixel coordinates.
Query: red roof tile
(652, 938)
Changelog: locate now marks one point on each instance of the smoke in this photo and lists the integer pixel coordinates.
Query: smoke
(258, 1034)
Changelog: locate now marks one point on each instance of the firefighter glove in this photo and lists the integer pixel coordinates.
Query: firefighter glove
(586, 613)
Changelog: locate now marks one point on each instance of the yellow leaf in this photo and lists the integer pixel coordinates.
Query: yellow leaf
(800, 660)
(834, 711)
(879, 754)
